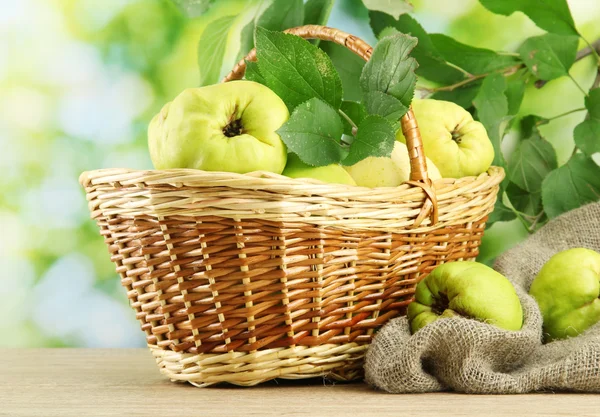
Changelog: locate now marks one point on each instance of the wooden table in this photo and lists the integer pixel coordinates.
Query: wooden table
(126, 382)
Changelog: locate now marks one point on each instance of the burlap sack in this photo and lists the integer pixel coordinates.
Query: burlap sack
(469, 356)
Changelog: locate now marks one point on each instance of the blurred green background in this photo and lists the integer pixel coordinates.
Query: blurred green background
(79, 81)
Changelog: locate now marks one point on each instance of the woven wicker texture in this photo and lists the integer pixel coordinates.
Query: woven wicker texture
(244, 278)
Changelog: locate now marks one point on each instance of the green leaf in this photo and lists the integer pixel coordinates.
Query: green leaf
(531, 162)
(431, 64)
(549, 56)
(587, 133)
(587, 136)
(355, 111)
(551, 15)
(392, 7)
(492, 108)
(253, 73)
(194, 8)
(375, 137)
(386, 106)
(211, 49)
(501, 213)
(474, 60)
(296, 70)
(524, 201)
(246, 40)
(349, 67)
(529, 125)
(281, 15)
(463, 96)
(515, 90)
(391, 70)
(317, 12)
(592, 103)
(572, 185)
(313, 132)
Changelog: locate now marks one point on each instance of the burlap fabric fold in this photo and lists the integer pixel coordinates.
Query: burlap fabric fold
(468, 356)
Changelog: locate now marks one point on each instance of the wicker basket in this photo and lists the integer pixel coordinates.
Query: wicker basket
(246, 278)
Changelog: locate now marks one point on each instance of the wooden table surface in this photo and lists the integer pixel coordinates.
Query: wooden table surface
(126, 382)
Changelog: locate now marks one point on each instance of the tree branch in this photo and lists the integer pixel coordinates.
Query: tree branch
(505, 72)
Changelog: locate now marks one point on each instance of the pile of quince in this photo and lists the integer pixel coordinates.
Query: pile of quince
(566, 289)
(233, 127)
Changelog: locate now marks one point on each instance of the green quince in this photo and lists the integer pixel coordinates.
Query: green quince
(458, 145)
(333, 173)
(223, 127)
(467, 289)
(382, 171)
(567, 290)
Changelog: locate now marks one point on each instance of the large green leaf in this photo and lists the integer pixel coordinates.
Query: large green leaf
(587, 136)
(570, 186)
(253, 73)
(392, 7)
(282, 14)
(524, 201)
(355, 111)
(531, 162)
(492, 108)
(386, 106)
(592, 103)
(587, 133)
(474, 60)
(432, 65)
(211, 49)
(551, 15)
(317, 12)
(515, 91)
(313, 132)
(529, 125)
(296, 70)
(375, 137)
(391, 69)
(246, 40)
(549, 56)
(349, 67)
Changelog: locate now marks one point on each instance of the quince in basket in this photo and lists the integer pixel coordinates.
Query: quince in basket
(391, 171)
(222, 127)
(467, 289)
(458, 145)
(333, 173)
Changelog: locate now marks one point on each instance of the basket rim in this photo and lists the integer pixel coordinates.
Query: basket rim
(189, 177)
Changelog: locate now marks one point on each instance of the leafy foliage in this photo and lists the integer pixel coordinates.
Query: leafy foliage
(549, 56)
(492, 107)
(570, 186)
(296, 70)
(432, 64)
(587, 133)
(211, 49)
(313, 132)
(374, 96)
(393, 7)
(307, 81)
(282, 14)
(375, 137)
(390, 69)
(551, 15)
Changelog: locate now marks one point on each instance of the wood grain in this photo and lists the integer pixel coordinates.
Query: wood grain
(118, 382)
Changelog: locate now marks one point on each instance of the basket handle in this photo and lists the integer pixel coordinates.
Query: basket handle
(414, 143)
